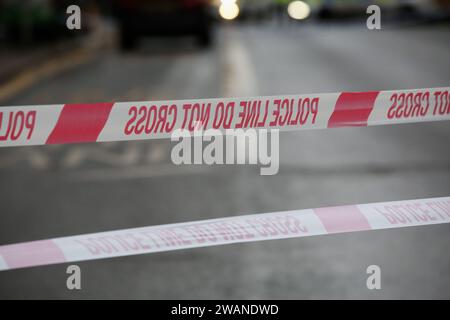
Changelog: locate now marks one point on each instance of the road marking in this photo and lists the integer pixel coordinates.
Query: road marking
(38, 159)
(158, 152)
(75, 156)
(79, 154)
(239, 73)
(137, 172)
(28, 78)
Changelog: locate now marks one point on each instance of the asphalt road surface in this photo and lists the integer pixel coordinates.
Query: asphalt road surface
(54, 191)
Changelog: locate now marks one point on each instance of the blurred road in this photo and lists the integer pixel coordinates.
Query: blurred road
(56, 191)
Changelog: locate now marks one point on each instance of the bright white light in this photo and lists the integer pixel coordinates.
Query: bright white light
(298, 10)
(229, 10)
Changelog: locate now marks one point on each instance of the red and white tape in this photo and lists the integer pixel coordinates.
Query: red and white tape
(73, 123)
(257, 227)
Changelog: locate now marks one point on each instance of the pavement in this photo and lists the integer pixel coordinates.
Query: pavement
(52, 191)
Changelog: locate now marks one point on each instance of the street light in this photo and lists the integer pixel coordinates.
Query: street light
(228, 9)
(298, 10)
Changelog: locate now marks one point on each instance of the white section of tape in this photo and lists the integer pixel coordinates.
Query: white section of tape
(190, 235)
(121, 127)
(3, 265)
(124, 121)
(407, 213)
(29, 125)
(409, 106)
(326, 108)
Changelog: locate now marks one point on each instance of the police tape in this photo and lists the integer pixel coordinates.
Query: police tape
(123, 121)
(236, 229)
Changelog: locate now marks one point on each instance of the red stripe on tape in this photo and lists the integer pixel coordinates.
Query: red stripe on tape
(352, 109)
(80, 123)
(342, 219)
(34, 253)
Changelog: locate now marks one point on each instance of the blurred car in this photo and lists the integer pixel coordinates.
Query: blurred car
(138, 18)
